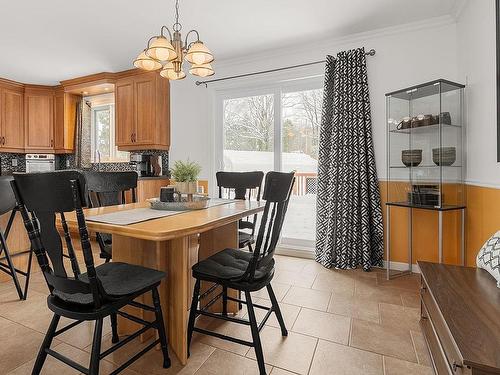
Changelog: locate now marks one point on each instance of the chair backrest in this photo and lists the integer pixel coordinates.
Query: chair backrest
(42, 197)
(277, 190)
(240, 184)
(108, 188)
(7, 199)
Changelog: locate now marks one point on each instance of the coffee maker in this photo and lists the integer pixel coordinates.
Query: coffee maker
(146, 165)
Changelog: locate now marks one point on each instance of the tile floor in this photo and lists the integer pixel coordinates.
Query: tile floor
(339, 322)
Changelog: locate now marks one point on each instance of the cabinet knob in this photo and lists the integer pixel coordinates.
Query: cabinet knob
(51, 143)
(455, 366)
(3, 140)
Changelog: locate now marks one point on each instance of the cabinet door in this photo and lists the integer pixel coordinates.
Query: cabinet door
(145, 108)
(39, 123)
(124, 112)
(59, 121)
(12, 121)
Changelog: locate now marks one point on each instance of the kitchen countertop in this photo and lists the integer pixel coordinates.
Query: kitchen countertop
(153, 178)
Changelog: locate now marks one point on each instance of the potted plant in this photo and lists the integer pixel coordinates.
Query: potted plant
(185, 174)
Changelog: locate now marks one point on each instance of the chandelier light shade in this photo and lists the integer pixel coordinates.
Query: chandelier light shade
(199, 54)
(169, 53)
(201, 70)
(161, 49)
(169, 72)
(146, 63)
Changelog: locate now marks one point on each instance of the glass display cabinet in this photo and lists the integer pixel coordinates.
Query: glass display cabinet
(425, 154)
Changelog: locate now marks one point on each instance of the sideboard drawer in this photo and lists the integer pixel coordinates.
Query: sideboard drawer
(438, 325)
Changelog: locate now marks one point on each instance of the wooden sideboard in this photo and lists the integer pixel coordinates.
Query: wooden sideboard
(460, 318)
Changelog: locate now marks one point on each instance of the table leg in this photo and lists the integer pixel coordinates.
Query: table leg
(211, 242)
(172, 257)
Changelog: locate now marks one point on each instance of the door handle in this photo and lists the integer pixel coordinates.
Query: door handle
(3, 140)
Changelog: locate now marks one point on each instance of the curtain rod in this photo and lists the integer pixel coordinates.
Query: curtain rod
(198, 83)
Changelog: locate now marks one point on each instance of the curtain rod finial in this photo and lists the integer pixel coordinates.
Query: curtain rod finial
(371, 52)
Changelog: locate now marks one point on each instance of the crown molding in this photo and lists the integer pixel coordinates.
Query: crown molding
(333, 43)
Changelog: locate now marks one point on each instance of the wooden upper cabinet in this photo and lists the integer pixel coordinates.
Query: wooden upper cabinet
(11, 120)
(39, 120)
(145, 107)
(124, 112)
(142, 112)
(65, 111)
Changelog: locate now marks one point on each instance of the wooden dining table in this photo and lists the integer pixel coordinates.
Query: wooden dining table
(172, 244)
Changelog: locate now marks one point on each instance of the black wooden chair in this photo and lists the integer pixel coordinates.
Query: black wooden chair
(242, 185)
(7, 204)
(246, 272)
(92, 296)
(108, 189)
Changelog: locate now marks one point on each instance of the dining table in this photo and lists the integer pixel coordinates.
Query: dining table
(172, 244)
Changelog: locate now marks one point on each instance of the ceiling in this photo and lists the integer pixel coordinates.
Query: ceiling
(44, 42)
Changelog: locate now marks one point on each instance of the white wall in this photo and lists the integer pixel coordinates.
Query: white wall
(406, 55)
(476, 67)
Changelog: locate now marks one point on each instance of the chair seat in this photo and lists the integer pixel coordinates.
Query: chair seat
(244, 239)
(118, 280)
(228, 266)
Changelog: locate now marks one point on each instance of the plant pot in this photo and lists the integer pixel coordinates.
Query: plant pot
(186, 187)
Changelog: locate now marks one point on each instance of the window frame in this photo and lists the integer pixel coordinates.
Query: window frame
(278, 88)
(112, 132)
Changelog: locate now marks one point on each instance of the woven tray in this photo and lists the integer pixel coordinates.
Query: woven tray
(198, 203)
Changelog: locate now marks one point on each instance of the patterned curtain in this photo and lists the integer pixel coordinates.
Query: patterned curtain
(349, 231)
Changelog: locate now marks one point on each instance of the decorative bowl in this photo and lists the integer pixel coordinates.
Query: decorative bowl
(444, 156)
(411, 158)
(199, 202)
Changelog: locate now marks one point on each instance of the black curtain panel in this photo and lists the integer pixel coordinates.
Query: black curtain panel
(349, 230)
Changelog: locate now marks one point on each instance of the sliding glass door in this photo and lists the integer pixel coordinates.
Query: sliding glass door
(277, 128)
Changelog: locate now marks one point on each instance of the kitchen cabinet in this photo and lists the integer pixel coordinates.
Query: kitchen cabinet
(39, 119)
(142, 112)
(65, 107)
(11, 119)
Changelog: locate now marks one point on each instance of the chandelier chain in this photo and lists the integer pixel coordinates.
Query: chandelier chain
(177, 26)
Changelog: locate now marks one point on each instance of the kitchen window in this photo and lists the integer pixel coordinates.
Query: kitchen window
(104, 149)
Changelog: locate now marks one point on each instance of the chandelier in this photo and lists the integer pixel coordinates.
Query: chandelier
(169, 54)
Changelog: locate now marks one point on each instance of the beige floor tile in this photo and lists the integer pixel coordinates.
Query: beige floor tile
(53, 366)
(18, 345)
(324, 325)
(81, 336)
(399, 317)
(381, 339)
(305, 280)
(152, 362)
(293, 353)
(32, 313)
(421, 348)
(313, 267)
(368, 291)
(331, 358)
(279, 289)
(354, 307)
(334, 282)
(279, 371)
(289, 312)
(304, 297)
(289, 263)
(410, 299)
(225, 363)
(409, 282)
(394, 366)
(226, 328)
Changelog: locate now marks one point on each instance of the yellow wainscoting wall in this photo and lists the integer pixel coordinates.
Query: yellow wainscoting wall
(482, 220)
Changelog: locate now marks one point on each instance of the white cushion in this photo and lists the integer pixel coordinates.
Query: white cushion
(488, 257)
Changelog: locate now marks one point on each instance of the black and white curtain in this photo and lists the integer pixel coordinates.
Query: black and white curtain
(349, 230)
